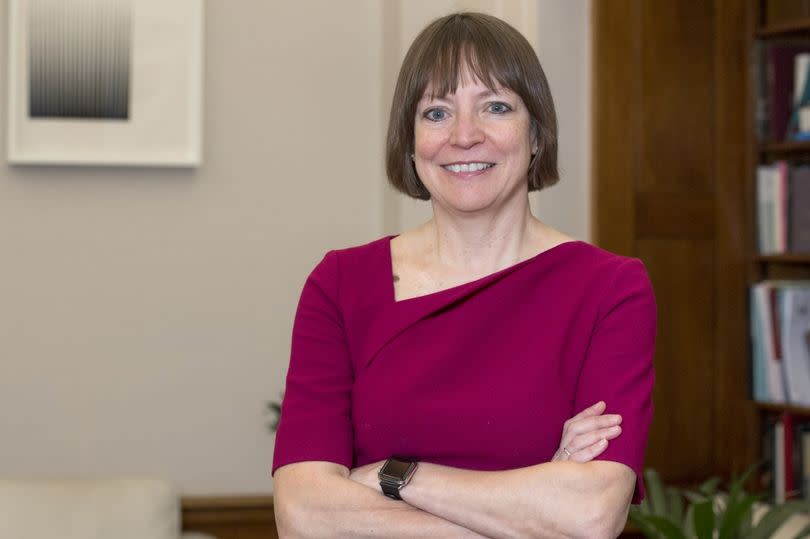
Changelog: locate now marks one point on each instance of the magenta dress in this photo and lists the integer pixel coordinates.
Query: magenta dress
(479, 376)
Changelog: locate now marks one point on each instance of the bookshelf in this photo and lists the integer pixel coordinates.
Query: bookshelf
(792, 258)
(784, 149)
(775, 23)
(797, 411)
(784, 29)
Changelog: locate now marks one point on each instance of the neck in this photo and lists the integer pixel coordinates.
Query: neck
(481, 244)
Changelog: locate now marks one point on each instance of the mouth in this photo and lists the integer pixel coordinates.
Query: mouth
(467, 167)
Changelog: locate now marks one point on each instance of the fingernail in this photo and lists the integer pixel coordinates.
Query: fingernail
(602, 442)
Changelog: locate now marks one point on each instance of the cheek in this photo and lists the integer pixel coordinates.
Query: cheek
(516, 141)
(427, 143)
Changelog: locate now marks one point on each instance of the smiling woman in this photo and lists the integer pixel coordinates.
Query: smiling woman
(491, 375)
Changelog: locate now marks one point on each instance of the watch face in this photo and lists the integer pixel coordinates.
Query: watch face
(397, 468)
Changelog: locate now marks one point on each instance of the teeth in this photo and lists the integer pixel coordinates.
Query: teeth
(468, 167)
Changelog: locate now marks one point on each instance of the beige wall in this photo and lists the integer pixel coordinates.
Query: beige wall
(145, 314)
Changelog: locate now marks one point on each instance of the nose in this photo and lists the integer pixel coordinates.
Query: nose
(466, 131)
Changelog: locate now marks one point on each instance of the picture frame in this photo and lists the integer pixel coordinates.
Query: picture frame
(105, 82)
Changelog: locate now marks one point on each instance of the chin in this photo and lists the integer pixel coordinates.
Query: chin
(470, 205)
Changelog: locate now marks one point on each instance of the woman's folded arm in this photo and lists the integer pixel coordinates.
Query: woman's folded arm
(550, 500)
(317, 499)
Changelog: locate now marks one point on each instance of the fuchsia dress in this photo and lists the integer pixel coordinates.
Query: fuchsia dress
(479, 376)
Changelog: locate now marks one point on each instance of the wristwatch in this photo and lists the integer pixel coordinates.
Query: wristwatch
(395, 474)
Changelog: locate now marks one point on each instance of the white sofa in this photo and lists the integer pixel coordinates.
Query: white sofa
(90, 509)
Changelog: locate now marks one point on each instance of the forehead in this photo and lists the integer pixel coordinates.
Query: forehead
(466, 83)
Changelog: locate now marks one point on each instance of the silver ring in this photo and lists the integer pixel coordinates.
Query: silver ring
(567, 452)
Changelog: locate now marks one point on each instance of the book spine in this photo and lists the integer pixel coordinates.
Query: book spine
(787, 448)
(781, 207)
(779, 462)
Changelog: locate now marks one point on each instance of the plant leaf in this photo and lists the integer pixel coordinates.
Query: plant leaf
(737, 486)
(709, 487)
(644, 506)
(694, 497)
(665, 528)
(736, 511)
(641, 520)
(775, 517)
(675, 505)
(703, 516)
(804, 533)
(655, 489)
(689, 521)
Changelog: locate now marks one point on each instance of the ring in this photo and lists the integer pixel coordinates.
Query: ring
(567, 452)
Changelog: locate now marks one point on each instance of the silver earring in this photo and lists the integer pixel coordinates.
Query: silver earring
(413, 157)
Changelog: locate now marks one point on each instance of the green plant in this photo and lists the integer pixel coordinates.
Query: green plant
(672, 513)
(274, 410)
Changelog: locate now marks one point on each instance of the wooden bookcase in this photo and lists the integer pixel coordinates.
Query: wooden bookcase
(775, 21)
(674, 170)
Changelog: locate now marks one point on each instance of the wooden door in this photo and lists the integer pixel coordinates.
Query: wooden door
(670, 139)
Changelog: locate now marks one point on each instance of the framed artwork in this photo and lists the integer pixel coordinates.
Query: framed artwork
(105, 82)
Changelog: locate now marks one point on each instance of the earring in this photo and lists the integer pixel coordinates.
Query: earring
(413, 157)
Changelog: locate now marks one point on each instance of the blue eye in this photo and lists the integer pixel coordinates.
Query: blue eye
(435, 115)
(499, 108)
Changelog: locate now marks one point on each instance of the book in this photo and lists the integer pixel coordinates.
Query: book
(779, 486)
(766, 196)
(799, 210)
(780, 207)
(794, 307)
(780, 73)
(763, 306)
(768, 442)
(783, 208)
(803, 459)
(759, 367)
(798, 129)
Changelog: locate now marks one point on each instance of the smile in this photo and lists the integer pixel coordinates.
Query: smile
(468, 167)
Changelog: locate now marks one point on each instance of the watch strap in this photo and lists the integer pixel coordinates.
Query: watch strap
(390, 490)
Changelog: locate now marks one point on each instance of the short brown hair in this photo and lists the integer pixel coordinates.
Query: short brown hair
(495, 53)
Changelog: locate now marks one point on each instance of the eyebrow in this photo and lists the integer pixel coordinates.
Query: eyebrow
(479, 95)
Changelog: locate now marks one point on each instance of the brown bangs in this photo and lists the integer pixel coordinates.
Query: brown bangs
(459, 49)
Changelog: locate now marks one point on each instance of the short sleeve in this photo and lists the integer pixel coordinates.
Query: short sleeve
(618, 367)
(315, 420)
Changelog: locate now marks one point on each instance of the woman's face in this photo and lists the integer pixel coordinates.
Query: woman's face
(472, 148)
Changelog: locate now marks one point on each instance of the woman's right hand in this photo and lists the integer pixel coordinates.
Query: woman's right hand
(586, 435)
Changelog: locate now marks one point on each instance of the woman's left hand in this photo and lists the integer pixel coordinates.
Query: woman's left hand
(367, 475)
(586, 435)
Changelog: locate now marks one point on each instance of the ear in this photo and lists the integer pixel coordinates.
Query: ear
(534, 138)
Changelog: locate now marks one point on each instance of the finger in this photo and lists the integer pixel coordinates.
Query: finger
(591, 424)
(561, 455)
(594, 409)
(575, 442)
(589, 438)
(589, 453)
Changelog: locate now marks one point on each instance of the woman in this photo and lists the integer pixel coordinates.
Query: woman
(444, 367)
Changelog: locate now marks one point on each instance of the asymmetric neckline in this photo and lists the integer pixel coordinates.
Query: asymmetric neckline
(481, 280)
